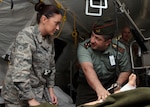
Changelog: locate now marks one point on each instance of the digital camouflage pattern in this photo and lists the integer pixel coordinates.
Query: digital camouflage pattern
(31, 56)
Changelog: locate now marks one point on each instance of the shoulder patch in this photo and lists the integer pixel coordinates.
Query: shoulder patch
(120, 49)
(87, 44)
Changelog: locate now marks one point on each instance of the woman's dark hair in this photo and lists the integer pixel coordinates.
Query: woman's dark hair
(46, 10)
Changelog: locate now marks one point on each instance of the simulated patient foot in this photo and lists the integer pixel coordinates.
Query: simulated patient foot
(131, 83)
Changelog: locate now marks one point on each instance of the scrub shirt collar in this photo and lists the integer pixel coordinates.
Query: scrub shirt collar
(108, 50)
(38, 34)
(44, 41)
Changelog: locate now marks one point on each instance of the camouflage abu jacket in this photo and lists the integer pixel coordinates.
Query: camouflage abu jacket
(31, 67)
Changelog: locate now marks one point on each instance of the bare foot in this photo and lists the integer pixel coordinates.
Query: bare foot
(132, 80)
(130, 85)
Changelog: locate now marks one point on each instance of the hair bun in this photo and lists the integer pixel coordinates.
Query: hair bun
(39, 6)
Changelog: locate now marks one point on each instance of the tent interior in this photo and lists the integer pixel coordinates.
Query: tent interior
(78, 19)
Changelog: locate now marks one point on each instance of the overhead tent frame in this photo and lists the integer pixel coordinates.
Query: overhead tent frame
(100, 7)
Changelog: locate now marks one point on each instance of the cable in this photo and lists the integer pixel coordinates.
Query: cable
(74, 33)
(117, 68)
(11, 5)
(64, 17)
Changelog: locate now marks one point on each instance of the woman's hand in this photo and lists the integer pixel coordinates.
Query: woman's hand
(53, 96)
(33, 102)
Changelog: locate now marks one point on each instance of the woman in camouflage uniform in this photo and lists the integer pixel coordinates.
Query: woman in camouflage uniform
(32, 65)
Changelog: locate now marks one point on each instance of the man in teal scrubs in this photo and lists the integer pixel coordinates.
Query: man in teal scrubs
(103, 61)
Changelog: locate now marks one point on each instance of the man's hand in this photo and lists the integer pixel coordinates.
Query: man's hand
(102, 94)
(33, 102)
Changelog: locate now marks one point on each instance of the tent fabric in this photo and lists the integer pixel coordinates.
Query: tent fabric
(23, 14)
(13, 20)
